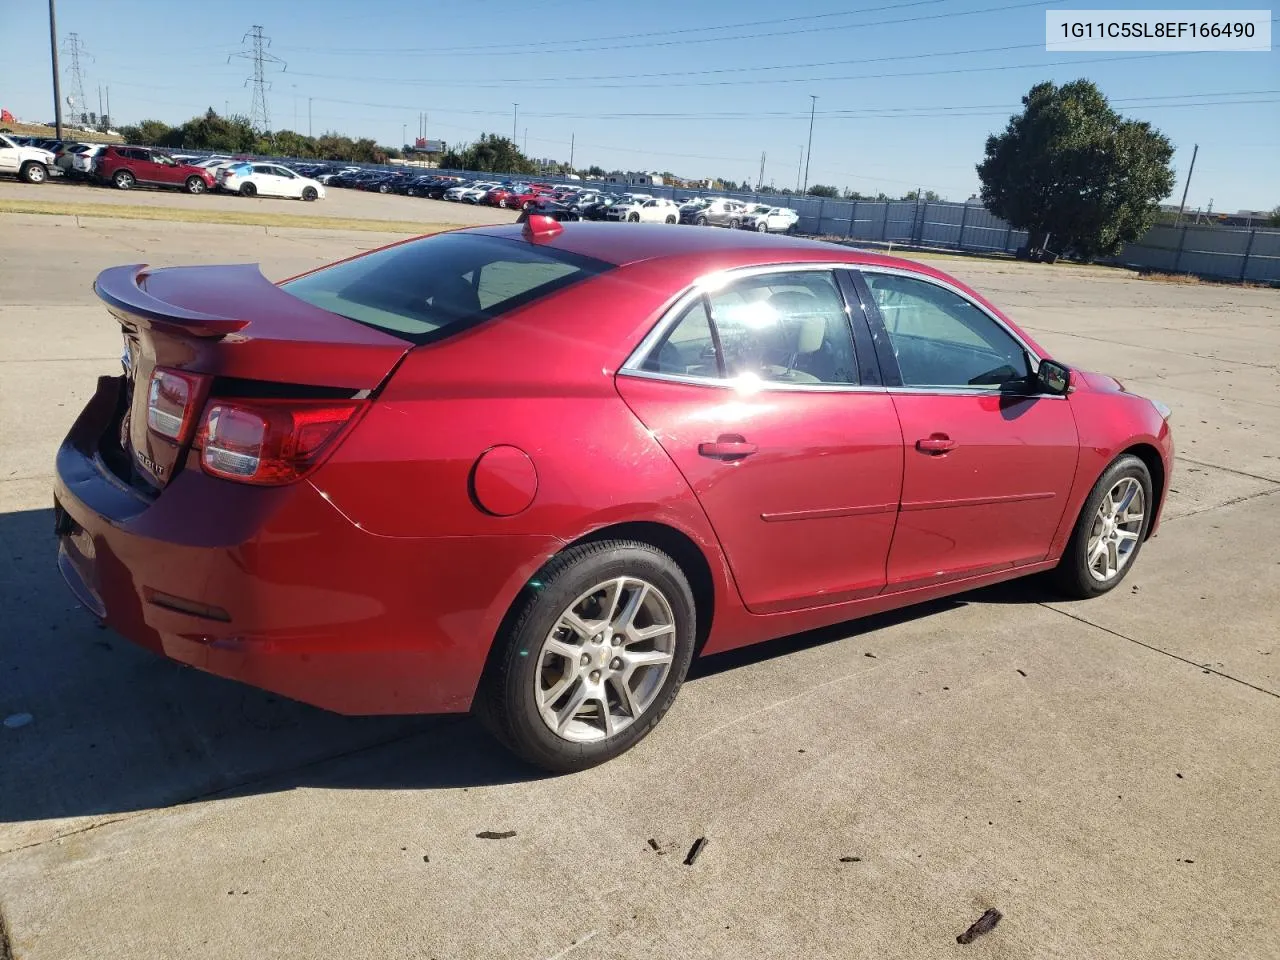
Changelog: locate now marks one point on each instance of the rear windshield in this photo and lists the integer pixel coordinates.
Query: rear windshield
(437, 286)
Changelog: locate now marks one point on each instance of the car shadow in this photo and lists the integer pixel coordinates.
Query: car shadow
(94, 725)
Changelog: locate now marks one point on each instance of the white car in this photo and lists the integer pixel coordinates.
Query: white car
(653, 210)
(475, 192)
(82, 160)
(31, 164)
(268, 180)
(774, 220)
(626, 204)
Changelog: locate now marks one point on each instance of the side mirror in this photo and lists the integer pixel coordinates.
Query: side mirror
(1053, 377)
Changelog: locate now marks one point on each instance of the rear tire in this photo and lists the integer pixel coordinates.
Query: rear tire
(34, 172)
(124, 180)
(309, 194)
(1106, 540)
(700, 221)
(620, 698)
(670, 219)
(248, 190)
(734, 224)
(633, 218)
(195, 186)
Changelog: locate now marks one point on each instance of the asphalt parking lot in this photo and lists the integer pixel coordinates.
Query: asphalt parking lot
(1106, 774)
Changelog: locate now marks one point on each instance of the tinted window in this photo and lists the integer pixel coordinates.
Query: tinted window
(943, 340)
(432, 287)
(781, 327)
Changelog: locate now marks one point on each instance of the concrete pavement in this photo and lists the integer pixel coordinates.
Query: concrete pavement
(1106, 774)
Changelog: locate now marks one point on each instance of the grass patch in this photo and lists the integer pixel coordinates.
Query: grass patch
(1183, 278)
(193, 215)
(68, 134)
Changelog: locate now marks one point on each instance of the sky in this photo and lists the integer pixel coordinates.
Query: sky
(907, 90)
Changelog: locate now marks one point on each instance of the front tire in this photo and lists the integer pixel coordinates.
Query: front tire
(670, 219)
(309, 194)
(1109, 532)
(195, 185)
(762, 227)
(633, 218)
(592, 656)
(34, 172)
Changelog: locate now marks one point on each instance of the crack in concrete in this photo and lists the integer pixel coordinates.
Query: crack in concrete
(1149, 646)
(1228, 503)
(1213, 466)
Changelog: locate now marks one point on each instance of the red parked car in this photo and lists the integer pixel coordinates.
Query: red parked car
(126, 167)
(533, 472)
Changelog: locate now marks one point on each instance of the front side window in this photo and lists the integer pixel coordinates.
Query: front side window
(943, 340)
(779, 328)
(438, 285)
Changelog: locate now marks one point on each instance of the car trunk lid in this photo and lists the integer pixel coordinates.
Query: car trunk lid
(230, 329)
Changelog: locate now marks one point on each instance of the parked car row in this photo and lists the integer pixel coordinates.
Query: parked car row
(126, 166)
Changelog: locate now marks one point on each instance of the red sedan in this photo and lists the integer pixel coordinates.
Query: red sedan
(533, 472)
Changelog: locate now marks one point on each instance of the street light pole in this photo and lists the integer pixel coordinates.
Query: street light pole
(808, 154)
(57, 85)
(515, 116)
(309, 99)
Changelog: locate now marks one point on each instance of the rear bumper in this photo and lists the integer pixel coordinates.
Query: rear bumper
(274, 587)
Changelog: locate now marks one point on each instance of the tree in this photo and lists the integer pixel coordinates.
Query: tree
(490, 154)
(928, 196)
(1274, 219)
(822, 190)
(1074, 173)
(148, 133)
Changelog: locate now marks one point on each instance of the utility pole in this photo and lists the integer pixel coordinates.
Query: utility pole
(515, 116)
(108, 123)
(295, 107)
(572, 139)
(760, 180)
(404, 134)
(259, 115)
(309, 99)
(799, 164)
(1182, 206)
(57, 85)
(813, 106)
(99, 101)
(525, 148)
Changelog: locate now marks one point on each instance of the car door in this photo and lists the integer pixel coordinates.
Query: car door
(780, 427)
(288, 183)
(988, 459)
(9, 155)
(160, 168)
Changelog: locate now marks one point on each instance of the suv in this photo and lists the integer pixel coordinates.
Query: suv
(718, 212)
(127, 166)
(28, 163)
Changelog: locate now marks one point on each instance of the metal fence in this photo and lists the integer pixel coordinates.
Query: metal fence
(1208, 251)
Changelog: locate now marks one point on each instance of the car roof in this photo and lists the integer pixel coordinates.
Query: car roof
(723, 248)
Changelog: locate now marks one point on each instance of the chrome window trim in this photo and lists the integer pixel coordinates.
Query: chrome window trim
(757, 386)
(952, 288)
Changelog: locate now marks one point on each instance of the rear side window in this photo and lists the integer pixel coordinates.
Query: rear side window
(431, 288)
(781, 327)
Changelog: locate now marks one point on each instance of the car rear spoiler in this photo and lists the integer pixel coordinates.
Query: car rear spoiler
(121, 288)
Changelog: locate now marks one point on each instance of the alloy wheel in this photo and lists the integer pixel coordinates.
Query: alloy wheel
(605, 660)
(1117, 525)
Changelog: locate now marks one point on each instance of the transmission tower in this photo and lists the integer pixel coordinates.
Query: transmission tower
(259, 116)
(73, 49)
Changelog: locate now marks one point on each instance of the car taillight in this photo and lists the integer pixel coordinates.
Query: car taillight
(171, 403)
(271, 441)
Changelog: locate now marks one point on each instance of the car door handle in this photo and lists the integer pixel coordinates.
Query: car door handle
(938, 443)
(729, 446)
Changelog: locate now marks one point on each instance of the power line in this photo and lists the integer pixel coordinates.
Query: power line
(259, 115)
(539, 49)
